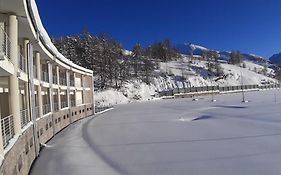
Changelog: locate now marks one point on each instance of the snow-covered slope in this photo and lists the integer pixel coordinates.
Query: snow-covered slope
(198, 75)
(189, 73)
(132, 91)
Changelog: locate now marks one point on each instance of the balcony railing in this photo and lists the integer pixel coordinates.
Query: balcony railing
(72, 83)
(36, 112)
(56, 106)
(45, 76)
(64, 104)
(25, 119)
(5, 45)
(46, 109)
(8, 130)
(55, 80)
(22, 63)
(35, 71)
(62, 81)
(72, 102)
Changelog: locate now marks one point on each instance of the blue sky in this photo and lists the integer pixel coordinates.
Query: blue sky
(251, 26)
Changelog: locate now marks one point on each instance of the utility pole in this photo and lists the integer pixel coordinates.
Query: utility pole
(242, 85)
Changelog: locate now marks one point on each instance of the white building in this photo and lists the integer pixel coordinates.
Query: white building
(41, 92)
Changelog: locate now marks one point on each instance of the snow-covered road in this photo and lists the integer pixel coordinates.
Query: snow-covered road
(172, 137)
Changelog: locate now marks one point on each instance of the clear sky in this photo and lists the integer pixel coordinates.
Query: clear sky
(251, 26)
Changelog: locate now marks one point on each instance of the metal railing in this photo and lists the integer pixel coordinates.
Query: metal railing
(45, 76)
(219, 89)
(35, 71)
(46, 109)
(72, 83)
(8, 130)
(36, 112)
(72, 103)
(56, 106)
(100, 109)
(24, 117)
(22, 63)
(55, 80)
(5, 45)
(64, 104)
(62, 81)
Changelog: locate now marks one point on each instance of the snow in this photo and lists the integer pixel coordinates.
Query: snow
(109, 97)
(131, 92)
(173, 137)
(196, 76)
(194, 46)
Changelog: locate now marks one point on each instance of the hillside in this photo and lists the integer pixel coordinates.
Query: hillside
(169, 76)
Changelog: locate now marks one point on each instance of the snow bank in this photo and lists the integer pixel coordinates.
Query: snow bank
(110, 97)
(131, 92)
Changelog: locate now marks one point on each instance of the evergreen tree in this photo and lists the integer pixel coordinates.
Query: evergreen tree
(235, 57)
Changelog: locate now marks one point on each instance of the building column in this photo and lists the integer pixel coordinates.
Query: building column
(39, 89)
(93, 95)
(25, 43)
(25, 54)
(75, 90)
(50, 72)
(68, 88)
(58, 77)
(84, 90)
(13, 79)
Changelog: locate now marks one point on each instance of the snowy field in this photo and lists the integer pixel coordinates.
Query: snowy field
(173, 137)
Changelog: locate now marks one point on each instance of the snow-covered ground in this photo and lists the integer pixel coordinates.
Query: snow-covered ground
(131, 92)
(195, 74)
(173, 137)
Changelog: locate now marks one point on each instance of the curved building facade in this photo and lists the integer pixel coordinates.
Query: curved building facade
(41, 91)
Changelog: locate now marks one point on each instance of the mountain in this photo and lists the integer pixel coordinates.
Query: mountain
(276, 58)
(188, 48)
(224, 55)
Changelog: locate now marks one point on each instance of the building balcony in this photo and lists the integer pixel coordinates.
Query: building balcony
(22, 63)
(55, 80)
(35, 71)
(72, 103)
(24, 116)
(36, 112)
(56, 106)
(63, 81)
(64, 104)
(72, 83)
(46, 109)
(45, 76)
(8, 130)
(5, 45)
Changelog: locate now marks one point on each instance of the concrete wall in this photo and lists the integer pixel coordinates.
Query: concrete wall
(20, 157)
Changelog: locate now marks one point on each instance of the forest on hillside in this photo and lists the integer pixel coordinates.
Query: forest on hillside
(113, 65)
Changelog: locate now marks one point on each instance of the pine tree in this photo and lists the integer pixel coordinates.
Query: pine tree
(235, 57)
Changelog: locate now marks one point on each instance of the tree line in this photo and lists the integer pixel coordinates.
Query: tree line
(111, 65)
